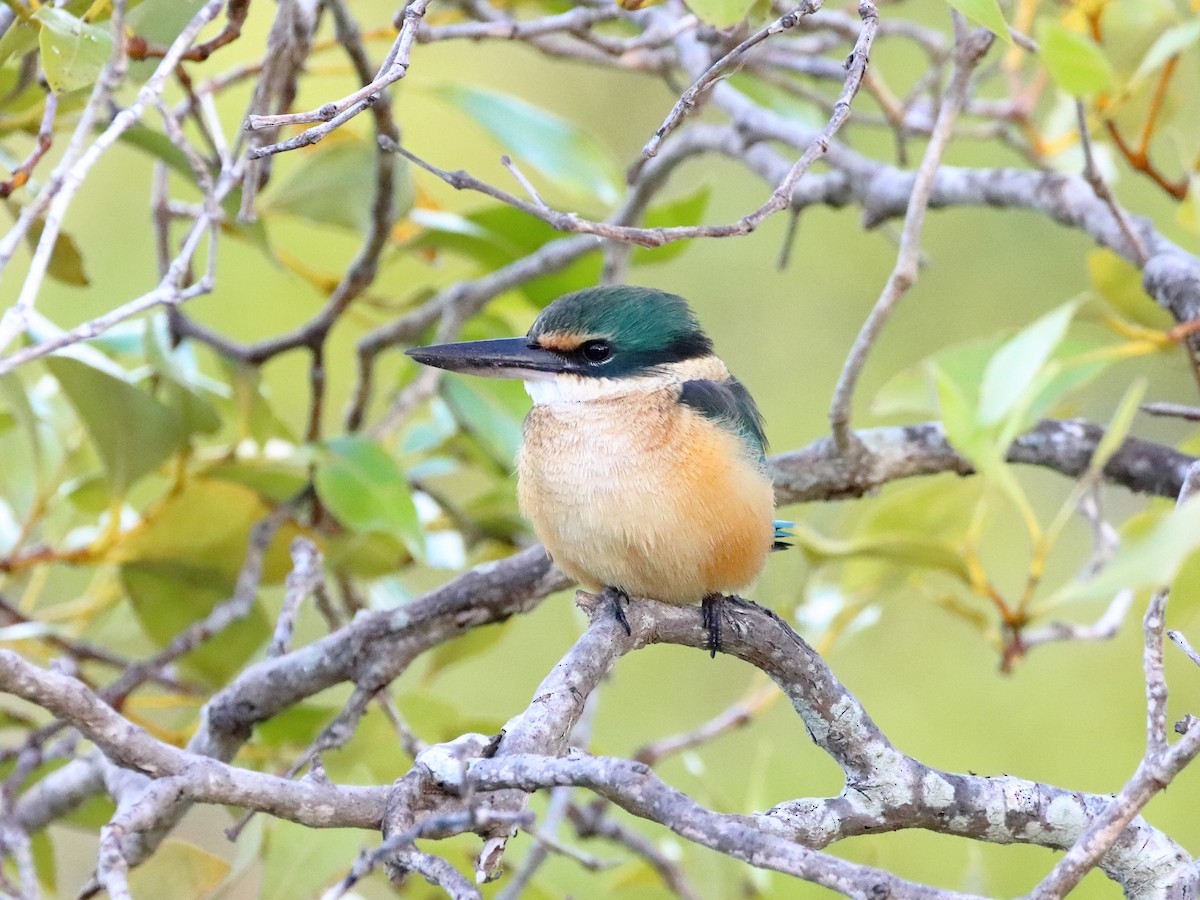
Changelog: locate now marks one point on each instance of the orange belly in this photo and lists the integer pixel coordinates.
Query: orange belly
(645, 495)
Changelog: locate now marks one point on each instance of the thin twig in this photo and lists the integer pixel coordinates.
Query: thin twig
(688, 98)
(1158, 767)
(454, 822)
(235, 17)
(507, 162)
(971, 49)
(1091, 172)
(334, 115)
(780, 198)
(77, 161)
(1172, 410)
(41, 146)
(1185, 646)
(301, 582)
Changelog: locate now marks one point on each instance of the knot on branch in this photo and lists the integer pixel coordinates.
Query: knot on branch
(445, 765)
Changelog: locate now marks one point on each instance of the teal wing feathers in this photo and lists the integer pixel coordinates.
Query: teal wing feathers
(729, 404)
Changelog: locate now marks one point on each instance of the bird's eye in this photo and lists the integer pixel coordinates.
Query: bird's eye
(596, 352)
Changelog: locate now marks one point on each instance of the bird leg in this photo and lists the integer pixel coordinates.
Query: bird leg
(616, 597)
(710, 609)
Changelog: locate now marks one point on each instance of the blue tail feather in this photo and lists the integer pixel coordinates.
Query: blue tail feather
(783, 533)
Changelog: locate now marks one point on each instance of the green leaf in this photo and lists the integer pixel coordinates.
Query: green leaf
(43, 860)
(1011, 373)
(474, 643)
(1075, 62)
(961, 424)
(296, 726)
(986, 13)
(300, 861)
(369, 554)
(1118, 426)
(276, 480)
(132, 432)
(73, 52)
(167, 597)
(482, 413)
(18, 40)
(335, 185)
(1119, 282)
(434, 719)
(123, 339)
(721, 13)
(88, 495)
(1148, 561)
(192, 872)
(498, 235)
(162, 20)
(911, 392)
(250, 405)
(66, 262)
(160, 147)
(558, 149)
(206, 525)
(906, 549)
(684, 211)
(1170, 43)
(979, 444)
(16, 401)
(364, 488)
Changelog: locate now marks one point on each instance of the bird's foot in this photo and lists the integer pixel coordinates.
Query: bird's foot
(617, 598)
(710, 609)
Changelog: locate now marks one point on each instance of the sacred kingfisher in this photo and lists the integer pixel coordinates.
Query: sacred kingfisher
(643, 466)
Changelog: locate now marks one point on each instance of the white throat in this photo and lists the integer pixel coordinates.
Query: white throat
(558, 389)
(576, 389)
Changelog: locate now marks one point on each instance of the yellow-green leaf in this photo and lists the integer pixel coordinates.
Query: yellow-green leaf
(906, 549)
(132, 432)
(362, 485)
(206, 525)
(1149, 561)
(474, 643)
(1170, 43)
(73, 52)
(300, 861)
(560, 150)
(1075, 62)
(482, 412)
(1118, 426)
(167, 597)
(986, 13)
(721, 13)
(1119, 282)
(66, 262)
(335, 185)
(1012, 372)
(190, 872)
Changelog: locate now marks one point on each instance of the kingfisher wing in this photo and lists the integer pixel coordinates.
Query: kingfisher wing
(730, 405)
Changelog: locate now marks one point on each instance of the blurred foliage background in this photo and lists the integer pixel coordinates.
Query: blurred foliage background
(133, 470)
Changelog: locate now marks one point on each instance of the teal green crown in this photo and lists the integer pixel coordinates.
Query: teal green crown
(646, 327)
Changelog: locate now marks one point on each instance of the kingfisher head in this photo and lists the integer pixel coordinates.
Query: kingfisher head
(586, 344)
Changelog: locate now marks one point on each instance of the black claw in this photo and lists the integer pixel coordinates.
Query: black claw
(710, 609)
(617, 597)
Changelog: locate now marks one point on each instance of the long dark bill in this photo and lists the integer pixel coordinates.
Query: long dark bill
(500, 358)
